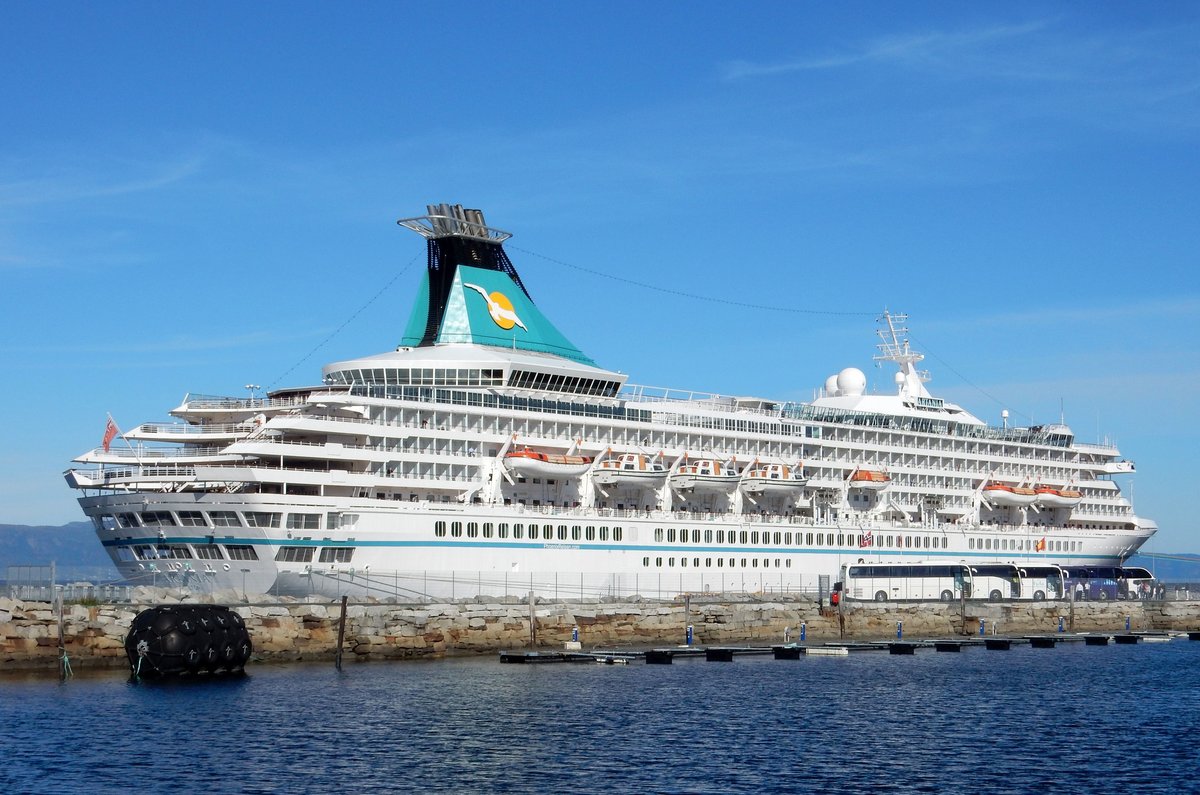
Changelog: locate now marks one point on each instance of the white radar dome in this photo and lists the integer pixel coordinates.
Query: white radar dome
(851, 382)
(831, 386)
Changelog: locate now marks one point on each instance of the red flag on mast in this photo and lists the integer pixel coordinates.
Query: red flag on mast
(110, 433)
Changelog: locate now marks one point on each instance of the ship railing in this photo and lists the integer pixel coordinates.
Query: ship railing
(155, 452)
(177, 428)
(200, 402)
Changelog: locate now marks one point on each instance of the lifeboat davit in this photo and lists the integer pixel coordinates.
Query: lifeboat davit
(629, 469)
(705, 475)
(773, 479)
(869, 479)
(1012, 496)
(550, 465)
(1057, 498)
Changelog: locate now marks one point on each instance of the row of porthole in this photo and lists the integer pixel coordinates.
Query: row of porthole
(536, 532)
(1018, 544)
(751, 563)
(752, 537)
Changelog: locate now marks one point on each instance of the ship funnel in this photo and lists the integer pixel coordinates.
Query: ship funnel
(472, 292)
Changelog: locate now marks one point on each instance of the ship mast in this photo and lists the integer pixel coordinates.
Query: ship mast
(894, 347)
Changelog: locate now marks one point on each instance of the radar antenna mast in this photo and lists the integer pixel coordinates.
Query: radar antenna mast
(894, 347)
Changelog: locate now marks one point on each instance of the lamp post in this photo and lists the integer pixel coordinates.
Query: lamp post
(252, 388)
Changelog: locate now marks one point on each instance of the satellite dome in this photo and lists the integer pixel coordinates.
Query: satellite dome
(831, 386)
(851, 382)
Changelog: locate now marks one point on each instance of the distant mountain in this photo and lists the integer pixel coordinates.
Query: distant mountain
(71, 546)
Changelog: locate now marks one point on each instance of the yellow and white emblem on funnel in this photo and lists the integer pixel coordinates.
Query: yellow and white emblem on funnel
(499, 307)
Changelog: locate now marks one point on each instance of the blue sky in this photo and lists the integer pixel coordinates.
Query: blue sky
(194, 197)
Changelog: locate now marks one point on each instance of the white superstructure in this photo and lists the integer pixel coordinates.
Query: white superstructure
(487, 455)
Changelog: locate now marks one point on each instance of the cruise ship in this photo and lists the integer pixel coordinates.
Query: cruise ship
(487, 455)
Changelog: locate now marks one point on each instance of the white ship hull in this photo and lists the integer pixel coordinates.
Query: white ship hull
(397, 553)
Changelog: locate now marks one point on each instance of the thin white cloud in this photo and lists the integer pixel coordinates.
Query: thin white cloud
(924, 48)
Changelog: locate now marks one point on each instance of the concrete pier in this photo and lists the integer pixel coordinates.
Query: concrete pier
(292, 629)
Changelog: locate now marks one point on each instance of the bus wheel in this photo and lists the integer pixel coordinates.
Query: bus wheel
(881, 596)
(1102, 596)
(1039, 596)
(947, 595)
(994, 596)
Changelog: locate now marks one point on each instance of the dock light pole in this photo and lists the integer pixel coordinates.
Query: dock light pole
(252, 389)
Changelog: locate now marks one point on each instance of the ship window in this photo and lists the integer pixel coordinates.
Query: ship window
(590, 533)
(603, 533)
(294, 555)
(707, 562)
(743, 563)
(617, 533)
(548, 531)
(820, 539)
(908, 541)
(518, 530)
(670, 561)
(472, 529)
(970, 543)
(683, 562)
(262, 519)
(173, 551)
(456, 529)
(336, 554)
(145, 552)
(562, 532)
(241, 552)
(502, 530)
(779, 537)
(720, 536)
(576, 532)
(208, 552)
(125, 554)
(754, 537)
(695, 536)
(191, 518)
(304, 521)
(708, 536)
(671, 535)
(720, 563)
(487, 529)
(744, 536)
(157, 517)
(225, 519)
(439, 529)
(646, 561)
(987, 543)
(128, 519)
(808, 539)
(658, 562)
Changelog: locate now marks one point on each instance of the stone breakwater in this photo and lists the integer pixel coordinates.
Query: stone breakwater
(291, 629)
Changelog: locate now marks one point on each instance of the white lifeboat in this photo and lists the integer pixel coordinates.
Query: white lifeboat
(1057, 498)
(629, 469)
(1012, 496)
(869, 480)
(705, 475)
(773, 479)
(550, 465)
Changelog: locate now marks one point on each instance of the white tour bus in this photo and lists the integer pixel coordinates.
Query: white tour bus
(950, 581)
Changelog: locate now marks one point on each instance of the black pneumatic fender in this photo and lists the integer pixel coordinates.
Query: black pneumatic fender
(187, 639)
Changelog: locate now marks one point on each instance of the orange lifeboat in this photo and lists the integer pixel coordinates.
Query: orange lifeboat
(1057, 498)
(773, 479)
(629, 469)
(531, 462)
(869, 479)
(1010, 496)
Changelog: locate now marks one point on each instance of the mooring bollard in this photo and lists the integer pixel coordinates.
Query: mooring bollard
(899, 630)
(803, 629)
(689, 634)
(982, 622)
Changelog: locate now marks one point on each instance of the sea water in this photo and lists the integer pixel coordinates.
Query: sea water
(1073, 719)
